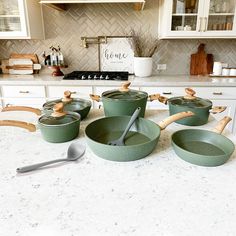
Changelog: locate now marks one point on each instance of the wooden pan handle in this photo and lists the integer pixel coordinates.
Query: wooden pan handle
(22, 108)
(190, 94)
(221, 125)
(163, 99)
(217, 109)
(125, 87)
(58, 110)
(30, 127)
(164, 123)
(67, 96)
(153, 97)
(94, 97)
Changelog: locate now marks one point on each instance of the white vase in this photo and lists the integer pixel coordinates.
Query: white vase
(143, 66)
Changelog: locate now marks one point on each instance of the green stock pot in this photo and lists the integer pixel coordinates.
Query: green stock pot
(57, 127)
(199, 106)
(124, 101)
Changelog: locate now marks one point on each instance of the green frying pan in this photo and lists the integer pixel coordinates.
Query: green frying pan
(203, 147)
(139, 142)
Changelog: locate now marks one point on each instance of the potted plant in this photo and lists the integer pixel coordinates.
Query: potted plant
(143, 49)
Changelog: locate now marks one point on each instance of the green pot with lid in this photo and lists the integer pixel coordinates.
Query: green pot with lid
(78, 105)
(124, 101)
(201, 107)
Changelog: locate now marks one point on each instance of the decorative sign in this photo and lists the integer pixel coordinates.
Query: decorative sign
(116, 55)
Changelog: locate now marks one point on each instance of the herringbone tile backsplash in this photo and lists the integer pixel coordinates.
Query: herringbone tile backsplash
(66, 28)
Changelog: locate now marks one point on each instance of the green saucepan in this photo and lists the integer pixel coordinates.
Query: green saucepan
(139, 142)
(57, 127)
(199, 106)
(203, 147)
(79, 105)
(124, 101)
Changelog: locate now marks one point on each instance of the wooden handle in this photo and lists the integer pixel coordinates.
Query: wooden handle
(190, 94)
(163, 99)
(153, 97)
(58, 110)
(67, 96)
(221, 125)
(217, 109)
(125, 87)
(164, 123)
(22, 108)
(20, 67)
(94, 97)
(30, 127)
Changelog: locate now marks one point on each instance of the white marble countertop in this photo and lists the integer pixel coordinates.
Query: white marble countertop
(158, 195)
(158, 80)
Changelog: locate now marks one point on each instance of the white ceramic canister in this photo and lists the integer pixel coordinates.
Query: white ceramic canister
(232, 72)
(225, 71)
(143, 66)
(217, 68)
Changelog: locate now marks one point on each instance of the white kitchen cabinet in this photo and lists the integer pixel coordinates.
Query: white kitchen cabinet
(21, 19)
(77, 91)
(197, 19)
(23, 95)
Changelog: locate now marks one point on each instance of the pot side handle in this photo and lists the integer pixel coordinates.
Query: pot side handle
(22, 108)
(30, 127)
(94, 97)
(217, 109)
(164, 123)
(153, 97)
(221, 125)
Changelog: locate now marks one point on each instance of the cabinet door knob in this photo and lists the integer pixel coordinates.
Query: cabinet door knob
(217, 93)
(73, 92)
(167, 93)
(24, 92)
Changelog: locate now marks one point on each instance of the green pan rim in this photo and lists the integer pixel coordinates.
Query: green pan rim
(126, 146)
(180, 105)
(193, 130)
(76, 115)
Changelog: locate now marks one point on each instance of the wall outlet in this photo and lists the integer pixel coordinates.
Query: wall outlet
(161, 66)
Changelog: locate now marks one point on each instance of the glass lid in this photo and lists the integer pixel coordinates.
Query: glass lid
(190, 100)
(124, 93)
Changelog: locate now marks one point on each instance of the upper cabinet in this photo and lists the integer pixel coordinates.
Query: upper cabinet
(197, 19)
(21, 19)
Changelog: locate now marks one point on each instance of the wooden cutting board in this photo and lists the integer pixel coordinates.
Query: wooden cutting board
(201, 62)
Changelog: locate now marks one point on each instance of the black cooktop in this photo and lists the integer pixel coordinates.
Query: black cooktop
(97, 75)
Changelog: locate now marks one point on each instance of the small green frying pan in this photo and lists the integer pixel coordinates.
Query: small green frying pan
(203, 147)
(139, 142)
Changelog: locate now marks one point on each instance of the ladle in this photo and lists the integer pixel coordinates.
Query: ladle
(75, 151)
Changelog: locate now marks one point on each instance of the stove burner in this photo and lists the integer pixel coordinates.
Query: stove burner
(97, 75)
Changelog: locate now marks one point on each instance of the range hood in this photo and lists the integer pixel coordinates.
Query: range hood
(138, 4)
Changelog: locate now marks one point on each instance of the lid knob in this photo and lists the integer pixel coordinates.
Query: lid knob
(190, 94)
(67, 96)
(58, 110)
(125, 87)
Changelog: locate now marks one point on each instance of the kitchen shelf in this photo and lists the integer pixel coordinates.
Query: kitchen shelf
(60, 4)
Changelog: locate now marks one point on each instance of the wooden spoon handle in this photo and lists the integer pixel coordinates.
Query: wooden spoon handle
(30, 127)
(221, 125)
(22, 108)
(164, 123)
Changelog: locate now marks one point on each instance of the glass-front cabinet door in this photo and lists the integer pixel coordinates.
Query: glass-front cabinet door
(197, 18)
(12, 18)
(220, 17)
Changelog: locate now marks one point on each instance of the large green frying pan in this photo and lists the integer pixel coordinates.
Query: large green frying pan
(203, 147)
(139, 142)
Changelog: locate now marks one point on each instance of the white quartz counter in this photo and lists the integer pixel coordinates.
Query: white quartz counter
(158, 195)
(159, 80)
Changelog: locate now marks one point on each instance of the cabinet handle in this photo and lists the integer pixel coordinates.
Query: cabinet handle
(217, 93)
(167, 93)
(24, 92)
(73, 92)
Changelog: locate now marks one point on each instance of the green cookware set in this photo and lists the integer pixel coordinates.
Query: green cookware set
(61, 123)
